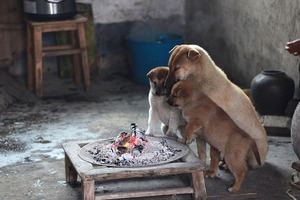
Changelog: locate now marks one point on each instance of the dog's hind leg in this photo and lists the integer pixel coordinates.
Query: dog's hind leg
(239, 169)
(214, 159)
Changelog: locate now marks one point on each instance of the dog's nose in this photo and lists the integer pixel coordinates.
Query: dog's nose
(159, 92)
(168, 86)
(170, 102)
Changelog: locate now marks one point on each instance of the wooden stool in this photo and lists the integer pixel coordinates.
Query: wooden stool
(35, 50)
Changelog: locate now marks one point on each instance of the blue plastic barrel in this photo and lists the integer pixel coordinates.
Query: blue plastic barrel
(147, 52)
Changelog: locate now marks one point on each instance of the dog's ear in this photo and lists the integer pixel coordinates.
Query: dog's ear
(150, 74)
(193, 54)
(173, 49)
(181, 92)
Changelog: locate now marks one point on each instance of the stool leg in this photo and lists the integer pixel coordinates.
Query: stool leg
(71, 174)
(76, 58)
(29, 58)
(84, 55)
(88, 190)
(198, 184)
(37, 43)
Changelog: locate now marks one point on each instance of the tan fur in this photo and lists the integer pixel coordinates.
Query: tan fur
(192, 62)
(210, 122)
(160, 111)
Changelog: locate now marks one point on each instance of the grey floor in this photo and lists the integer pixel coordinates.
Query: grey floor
(31, 134)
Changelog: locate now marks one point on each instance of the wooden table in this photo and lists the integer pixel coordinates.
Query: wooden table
(89, 173)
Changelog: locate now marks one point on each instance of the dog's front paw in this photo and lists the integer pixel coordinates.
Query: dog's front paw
(181, 140)
(210, 173)
(148, 133)
(171, 134)
(188, 142)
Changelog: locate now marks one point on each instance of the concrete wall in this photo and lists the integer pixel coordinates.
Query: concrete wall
(244, 37)
(115, 20)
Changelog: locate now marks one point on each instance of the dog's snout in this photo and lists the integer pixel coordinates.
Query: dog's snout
(170, 102)
(161, 91)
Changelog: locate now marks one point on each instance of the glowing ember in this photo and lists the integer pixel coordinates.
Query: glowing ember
(126, 143)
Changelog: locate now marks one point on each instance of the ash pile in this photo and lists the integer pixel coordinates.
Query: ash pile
(135, 149)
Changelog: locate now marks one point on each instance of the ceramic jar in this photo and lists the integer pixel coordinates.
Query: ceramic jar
(271, 91)
(295, 131)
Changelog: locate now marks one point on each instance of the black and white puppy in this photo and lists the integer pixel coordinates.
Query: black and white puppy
(160, 111)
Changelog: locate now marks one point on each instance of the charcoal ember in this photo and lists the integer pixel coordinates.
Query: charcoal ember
(122, 138)
(122, 149)
(140, 148)
(91, 152)
(138, 132)
(164, 142)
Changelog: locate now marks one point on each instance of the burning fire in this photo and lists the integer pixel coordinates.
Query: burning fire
(126, 142)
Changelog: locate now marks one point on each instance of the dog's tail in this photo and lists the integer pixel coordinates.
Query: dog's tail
(255, 151)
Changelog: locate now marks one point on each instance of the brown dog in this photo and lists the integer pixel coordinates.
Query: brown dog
(210, 122)
(192, 62)
(160, 111)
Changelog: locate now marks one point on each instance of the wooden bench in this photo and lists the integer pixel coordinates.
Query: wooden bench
(36, 51)
(90, 173)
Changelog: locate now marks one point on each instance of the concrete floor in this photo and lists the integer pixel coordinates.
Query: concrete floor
(32, 160)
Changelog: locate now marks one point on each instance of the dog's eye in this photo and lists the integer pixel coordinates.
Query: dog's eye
(177, 68)
(154, 83)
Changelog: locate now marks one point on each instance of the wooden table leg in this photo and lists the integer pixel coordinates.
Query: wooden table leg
(37, 44)
(29, 57)
(88, 190)
(71, 174)
(198, 184)
(76, 58)
(84, 55)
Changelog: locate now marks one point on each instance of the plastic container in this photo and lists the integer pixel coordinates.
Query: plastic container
(147, 52)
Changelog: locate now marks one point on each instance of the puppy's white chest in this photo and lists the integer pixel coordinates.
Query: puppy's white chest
(164, 110)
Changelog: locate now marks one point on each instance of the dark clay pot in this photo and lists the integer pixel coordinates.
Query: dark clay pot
(295, 131)
(271, 91)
